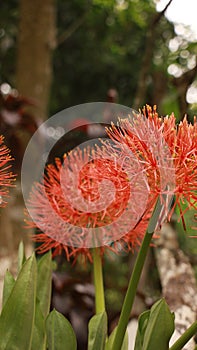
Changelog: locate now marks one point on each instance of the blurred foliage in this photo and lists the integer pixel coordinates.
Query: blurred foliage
(115, 287)
(8, 40)
(105, 51)
(101, 44)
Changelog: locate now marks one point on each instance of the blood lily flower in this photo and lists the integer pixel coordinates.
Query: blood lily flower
(6, 176)
(182, 142)
(87, 201)
(176, 143)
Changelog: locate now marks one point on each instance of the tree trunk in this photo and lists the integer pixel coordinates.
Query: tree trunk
(178, 282)
(36, 41)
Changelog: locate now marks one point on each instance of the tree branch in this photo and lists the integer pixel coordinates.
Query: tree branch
(182, 84)
(148, 55)
(71, 30)
(159, 15)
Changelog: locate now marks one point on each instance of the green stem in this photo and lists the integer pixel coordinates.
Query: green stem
(131, 292)
(134, 280)
(185, 337)
(98, 281)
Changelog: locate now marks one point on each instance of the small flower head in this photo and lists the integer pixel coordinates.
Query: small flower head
(182, 142)
(6, 176)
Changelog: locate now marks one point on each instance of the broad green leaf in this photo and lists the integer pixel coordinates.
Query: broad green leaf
(142, 324)
(44, 283)
(109, 343)
(21, 256)
(39, 335)
(160, 327)
(60, 334)
(97, 332)
(8, 285)
(17, 317)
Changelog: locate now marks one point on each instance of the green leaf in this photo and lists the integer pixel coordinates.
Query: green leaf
(44, 283)
(160, 327)
(39, 335)
(142, 324)
(43, 293)
(17, 317)
(21, 256)
(60, 334)
(125, 344)
(9, 282)
(97, 331)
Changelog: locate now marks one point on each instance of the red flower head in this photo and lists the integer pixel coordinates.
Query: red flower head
(92, 199)
(175, 143)
(6, 177)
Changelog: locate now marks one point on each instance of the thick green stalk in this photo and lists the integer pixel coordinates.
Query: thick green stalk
(98, 281)
(131, 292)
(185, 337)
(134, 280)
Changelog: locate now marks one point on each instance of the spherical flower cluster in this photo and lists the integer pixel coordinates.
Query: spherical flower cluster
(85, 201)
(180, 140)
